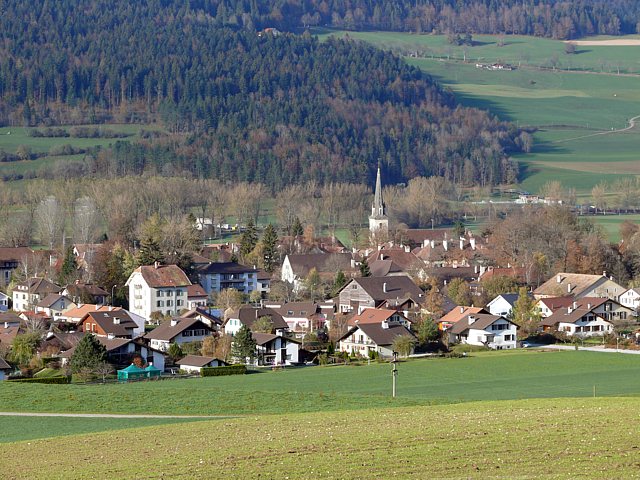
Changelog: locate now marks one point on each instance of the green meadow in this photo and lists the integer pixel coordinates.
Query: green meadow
(564, 107)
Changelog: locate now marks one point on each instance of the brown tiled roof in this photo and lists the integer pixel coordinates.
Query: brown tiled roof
(83, 310)
(416, 236)
(568, 315)
(38, 286)
(579, 283)
(9, 317)
(556, 303)
(386, 288)
(483, 320)
(407, 261)
(371, 315)
(248, 315)
(163, 276)
(14, 254)
(8, 334)
(110, 344)
(197, 360)
(168, 332)
(116, 322)
(196, 290)
(382, 268)
(448, 273)
(460, 312)
(297, 309)
(52, 298)
(323, 262)
(381, 336)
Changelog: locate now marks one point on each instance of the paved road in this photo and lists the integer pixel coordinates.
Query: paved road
(108, 415)
(591, 349)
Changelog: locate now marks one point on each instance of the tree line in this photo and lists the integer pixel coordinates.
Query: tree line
(273, 109)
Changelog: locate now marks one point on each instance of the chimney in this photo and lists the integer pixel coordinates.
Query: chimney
(116, 321)
(433, 244)
(472, 319)
(475, 269)
(111, 336)
(461, 243)
(604, 273)
(6, 324)
(559, 278)
(461, 309)
(407, 249)
(385, 325)
(568, 288)
(256, 313)
(575, 305)
(156, 265)
(569, 310)
(589, 306)
(77, 282)
(425, 242)
(174, 322)
(384, 287)
(445, 245)
(472, 240)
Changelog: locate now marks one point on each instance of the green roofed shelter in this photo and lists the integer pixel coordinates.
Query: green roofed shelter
(152, 372)
(131, 373)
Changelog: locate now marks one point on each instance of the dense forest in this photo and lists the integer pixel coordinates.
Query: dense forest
(276, 109)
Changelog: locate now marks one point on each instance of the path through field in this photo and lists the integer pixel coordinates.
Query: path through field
(632, 124)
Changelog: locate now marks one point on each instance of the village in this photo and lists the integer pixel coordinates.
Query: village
(435, 292)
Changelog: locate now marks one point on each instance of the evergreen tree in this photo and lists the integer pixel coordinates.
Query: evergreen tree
(524, 313)
(69, 267)
(297, 228)
(365, 271)
(24, 348)
(175, 352)
(339, 281)
(269, 248)
(249, 239)
(244, 346)
(149, 252)
(89, 354)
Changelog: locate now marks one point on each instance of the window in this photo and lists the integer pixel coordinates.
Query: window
(179, 303)
(169, 303)
(187, 333)
(160, 293)
(159, 303)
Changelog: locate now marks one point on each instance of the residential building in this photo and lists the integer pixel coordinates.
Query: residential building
(275, 349)
(301, 317)
(364, 338)
(582, 322)
(371, 292)
(578, 285)
(122, 351)
(296, 268)
(481, 329)
(215, 277)
(54, 305)
(111, 324)
(86, 293)
(263, 284)
(195, 363)
(157, 288)
(247, 316)
(502, 304)
(196, 297)
(208, 315)
(379, 315)
(631, 299)
(27, 294)
(456, 314)
(178, 330)
(606, 308)
(10, 259)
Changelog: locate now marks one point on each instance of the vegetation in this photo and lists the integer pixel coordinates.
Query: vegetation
(407, 440)
(89, 355)
(223, 371)
(243, 346)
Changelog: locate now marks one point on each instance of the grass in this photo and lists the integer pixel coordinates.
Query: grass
(28, 428)
(483, 376)
(560, 104)
(611, 224)
(559, 438)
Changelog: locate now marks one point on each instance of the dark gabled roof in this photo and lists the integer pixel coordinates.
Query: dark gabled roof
(168, 332)
(110, 344)
(568, 315)
(264, 338)
(379, 335)
(38, 286)
(382, 268)
(510, 298)
(302, 264)
(116, 322)
(196, 290)
(14, 254)
(163, 276)
(224, 267)
(197, 361)
(263, 275)
(77, 289)
(386, 288)
(297, 309)
(4, 365)
(10, 317)
(52, 298)
(483, 320)
(248, 315)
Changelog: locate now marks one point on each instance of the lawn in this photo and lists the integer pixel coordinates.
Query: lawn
(558, 438)
(484, 376)
(611, 223)
(27, 428)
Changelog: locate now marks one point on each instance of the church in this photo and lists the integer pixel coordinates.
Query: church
(378, 220)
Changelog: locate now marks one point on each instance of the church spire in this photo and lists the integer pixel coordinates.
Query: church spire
(378, 205)
(378, 221)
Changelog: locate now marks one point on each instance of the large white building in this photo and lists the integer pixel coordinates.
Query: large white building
(158, 288)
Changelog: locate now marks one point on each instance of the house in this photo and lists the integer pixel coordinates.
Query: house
(456, 314)
(4, 302)
(263, 282)
(371, 292)
(296, 268)
(177, 330)
(275, 349)
(195, 363)
(482, 329)
(631, 299)
(196, 297)
(301, 317)
(379, 315)
(578, 285)
(606, 308)
(502, 304)
(86, 293)
(9, 319)
(7, 334)
(364, 338)
(111, 324)
(10, 259)
(215, 277)
(583, 322)
(29, 293)
(54, 305)
(208, 316)
(78, 313)
(396, 261)
(5, 369)
(248, 315)
(157, 288)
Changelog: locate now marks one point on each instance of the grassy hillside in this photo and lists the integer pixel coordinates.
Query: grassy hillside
(485, 376)
(566, 107)
(558, 438)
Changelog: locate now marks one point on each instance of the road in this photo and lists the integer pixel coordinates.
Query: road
(589, 349)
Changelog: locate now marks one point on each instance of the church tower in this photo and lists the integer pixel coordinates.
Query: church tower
(378, 220)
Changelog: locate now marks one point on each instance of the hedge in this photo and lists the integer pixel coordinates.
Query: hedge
(219, 371)
(56, 380)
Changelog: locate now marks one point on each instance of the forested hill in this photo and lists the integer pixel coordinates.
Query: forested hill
(271, 108)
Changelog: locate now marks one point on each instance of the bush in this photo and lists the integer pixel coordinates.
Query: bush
(465, 348)
(221, 371)
(51, 380)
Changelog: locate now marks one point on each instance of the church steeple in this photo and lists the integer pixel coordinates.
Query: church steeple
(378, 221)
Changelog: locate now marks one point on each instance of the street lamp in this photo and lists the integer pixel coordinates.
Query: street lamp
(394, 373)
(112, 288)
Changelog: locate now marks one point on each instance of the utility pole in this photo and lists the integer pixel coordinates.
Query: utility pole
(394, 373)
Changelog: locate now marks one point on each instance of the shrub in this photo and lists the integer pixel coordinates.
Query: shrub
(51, 380)
(465, 348)
(221, 371)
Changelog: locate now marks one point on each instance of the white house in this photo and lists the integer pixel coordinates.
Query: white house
(363, 338)
(631, 299)
(582, 322)
(27, 294)
(177, 330)
(195, 363)
(217, 276)
(578, 285)
(301, 317)
(275, 349)
(196, 297)
(482, 329)
(248, 315)
(296, 267)
(157, 288)
(502, 304)
(55, 305)
(606, 308)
